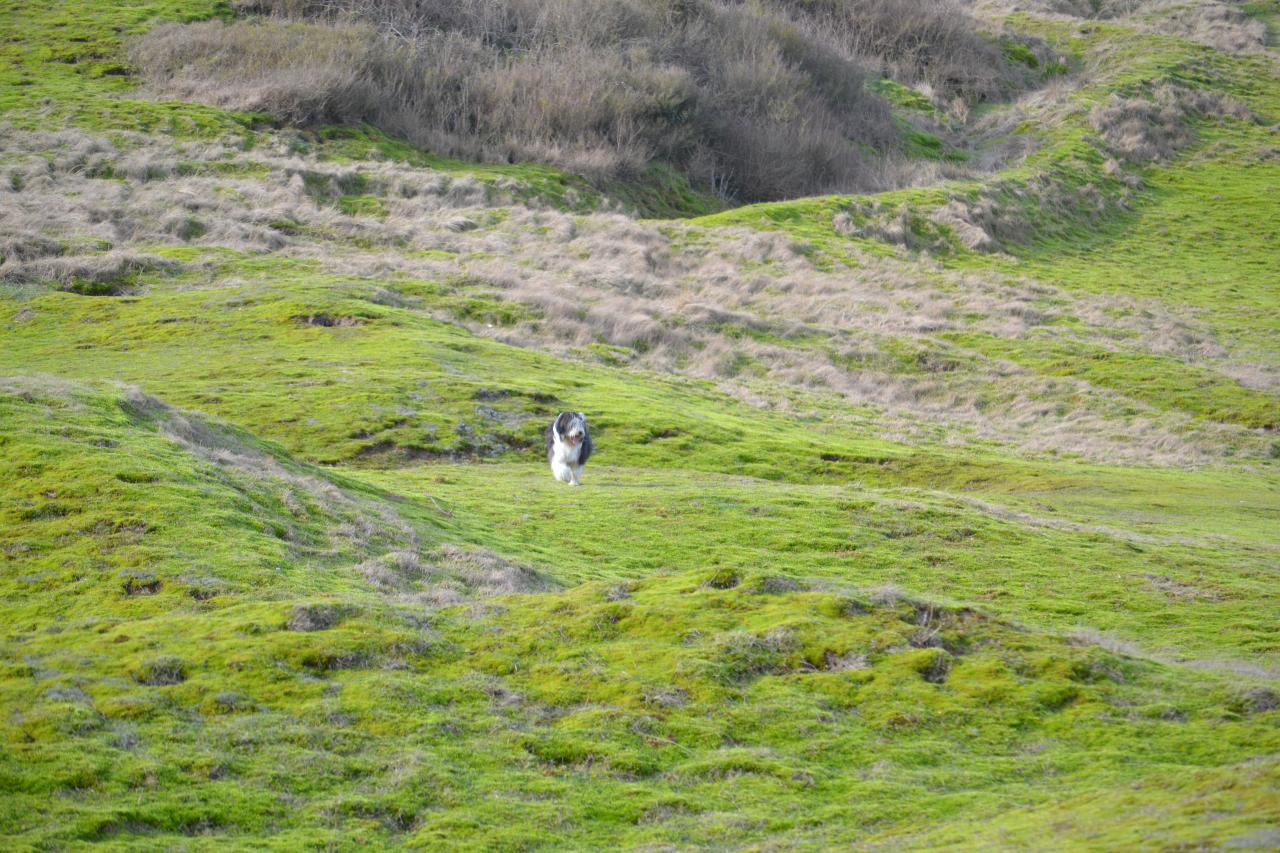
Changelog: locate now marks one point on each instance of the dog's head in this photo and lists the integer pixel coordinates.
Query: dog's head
(572, 427)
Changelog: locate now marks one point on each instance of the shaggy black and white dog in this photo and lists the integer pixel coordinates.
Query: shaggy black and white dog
(568, 447)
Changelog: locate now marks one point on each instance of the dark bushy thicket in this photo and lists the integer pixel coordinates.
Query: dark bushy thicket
(756, 101)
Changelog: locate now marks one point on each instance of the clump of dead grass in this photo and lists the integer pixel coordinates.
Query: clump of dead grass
(110, 274)
(1146, 129)
(24, 246)
(317, 617)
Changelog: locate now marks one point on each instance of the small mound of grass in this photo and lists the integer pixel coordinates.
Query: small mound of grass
(161, 671)
(317, 617)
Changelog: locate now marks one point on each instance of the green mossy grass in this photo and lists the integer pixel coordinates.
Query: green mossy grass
(155, 648)
(236, 505)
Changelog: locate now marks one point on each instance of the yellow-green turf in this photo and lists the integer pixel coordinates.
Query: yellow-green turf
(759, 630)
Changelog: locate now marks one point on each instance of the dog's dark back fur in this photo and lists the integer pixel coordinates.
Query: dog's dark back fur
(561, 425)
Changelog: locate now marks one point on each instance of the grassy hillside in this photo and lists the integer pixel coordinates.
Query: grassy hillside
(942, 518)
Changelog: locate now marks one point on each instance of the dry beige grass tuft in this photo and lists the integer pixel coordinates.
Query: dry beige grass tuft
(107, 274)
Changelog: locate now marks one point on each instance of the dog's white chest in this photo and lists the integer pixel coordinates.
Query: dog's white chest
(565, 466)
(564, 452)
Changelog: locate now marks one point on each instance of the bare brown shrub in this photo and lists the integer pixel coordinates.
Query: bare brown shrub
(294, 70)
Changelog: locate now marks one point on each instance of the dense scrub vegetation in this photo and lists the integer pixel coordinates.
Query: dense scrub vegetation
(754, 101)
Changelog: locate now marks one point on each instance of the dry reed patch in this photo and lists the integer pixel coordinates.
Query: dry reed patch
(598, 112)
